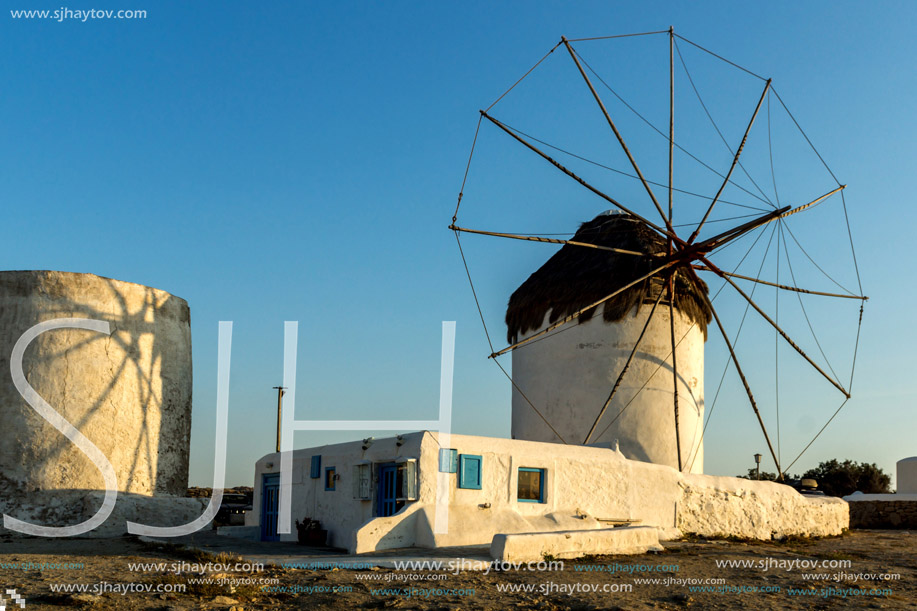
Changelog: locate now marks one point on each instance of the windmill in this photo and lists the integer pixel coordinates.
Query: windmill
(646, 266)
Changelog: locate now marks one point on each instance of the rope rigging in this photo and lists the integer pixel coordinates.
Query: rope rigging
(683, 254)
(716, 127)
(661, 133)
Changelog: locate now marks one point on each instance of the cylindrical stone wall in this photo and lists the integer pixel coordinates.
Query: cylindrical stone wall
(129, 392)
(568, 377)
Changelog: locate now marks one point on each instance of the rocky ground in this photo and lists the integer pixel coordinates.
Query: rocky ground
(863, 569)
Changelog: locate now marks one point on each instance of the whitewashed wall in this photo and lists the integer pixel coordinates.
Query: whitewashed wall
(583, 486)
(337, 510)
(128, 392)
(569, 376)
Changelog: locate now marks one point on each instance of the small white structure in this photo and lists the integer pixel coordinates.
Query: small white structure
(897, 510)
(562, 381)
(384, 496)
(907, 475)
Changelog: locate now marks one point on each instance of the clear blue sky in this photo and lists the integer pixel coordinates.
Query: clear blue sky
(300, 161)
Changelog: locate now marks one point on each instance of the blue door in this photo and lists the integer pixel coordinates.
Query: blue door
(388, 479)
(270, 504)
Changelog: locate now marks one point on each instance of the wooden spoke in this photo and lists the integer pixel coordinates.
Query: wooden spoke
(785, 287)
(730, 235)
(782, 333)
(560, 167)
(671, 288)
(751, 397)
(813, 202)
(674, 367)
(633, 162)
(531, 238)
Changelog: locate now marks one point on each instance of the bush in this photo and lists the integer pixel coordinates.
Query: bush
(765, 476)
(843, 478)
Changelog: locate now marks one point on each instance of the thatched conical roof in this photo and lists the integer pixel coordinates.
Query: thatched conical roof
(577, 276)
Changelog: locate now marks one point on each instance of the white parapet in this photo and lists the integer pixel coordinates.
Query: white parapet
(534, 547)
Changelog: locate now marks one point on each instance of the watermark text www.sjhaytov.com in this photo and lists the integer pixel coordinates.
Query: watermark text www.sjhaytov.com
(67, 14)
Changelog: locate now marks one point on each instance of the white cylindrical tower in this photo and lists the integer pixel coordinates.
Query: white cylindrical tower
(128, 392)
(563, 379)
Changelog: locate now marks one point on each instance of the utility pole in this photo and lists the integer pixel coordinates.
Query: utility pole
(280, 394)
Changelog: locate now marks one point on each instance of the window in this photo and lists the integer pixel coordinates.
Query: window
(406, 479)
(448, 460)
(316, 467)
(469, 471)
(330, 477)
(362, 481)
(530, 488)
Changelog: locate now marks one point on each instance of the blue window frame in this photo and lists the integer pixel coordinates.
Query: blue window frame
(448, 460)
(316, 467)
(330, 477)
(469, 471)
(530, 487)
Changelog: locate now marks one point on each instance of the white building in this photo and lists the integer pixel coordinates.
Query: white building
(385, 496)
(548, 478)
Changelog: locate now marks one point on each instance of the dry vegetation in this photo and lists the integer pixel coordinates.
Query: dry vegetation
(869, 552)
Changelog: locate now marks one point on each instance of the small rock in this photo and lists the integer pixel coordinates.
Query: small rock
(83, 598)
(224, 600)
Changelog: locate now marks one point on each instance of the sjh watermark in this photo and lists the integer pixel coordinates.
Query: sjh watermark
(14, 600)
(83, 15)
(289, 425)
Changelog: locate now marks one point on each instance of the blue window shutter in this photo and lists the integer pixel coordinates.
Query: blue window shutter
(470, 471)
(316, 467)
(408, 471)
(448, 460)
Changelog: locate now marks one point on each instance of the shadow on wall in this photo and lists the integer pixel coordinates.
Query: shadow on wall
(128, 392)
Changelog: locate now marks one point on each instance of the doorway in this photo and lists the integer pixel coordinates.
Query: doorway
(387, 493)
(270, 506)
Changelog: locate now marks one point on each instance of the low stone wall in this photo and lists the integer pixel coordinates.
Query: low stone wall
(533, 547)
(731, 506)
(883, 514)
